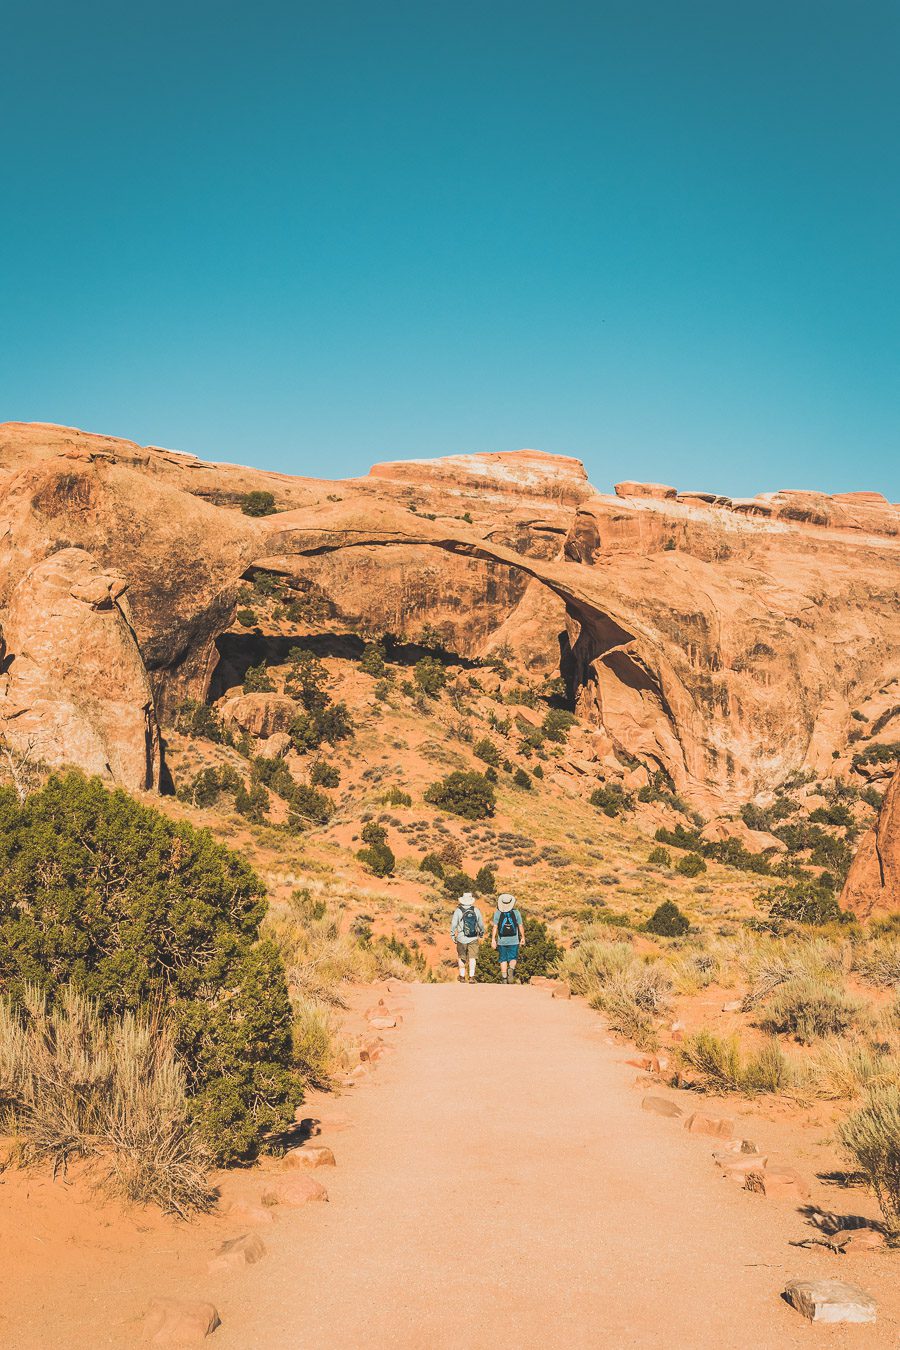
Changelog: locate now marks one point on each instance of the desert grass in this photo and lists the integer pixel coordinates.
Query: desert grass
(75, 1086)
(871, 1136)
(809, 1009)
(632, 992)
(721, 1064)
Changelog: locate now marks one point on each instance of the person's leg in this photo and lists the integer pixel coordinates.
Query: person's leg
(473, 957)
(461, 961)
(503, 969)
(512, 969)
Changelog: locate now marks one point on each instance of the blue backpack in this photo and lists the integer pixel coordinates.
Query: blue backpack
(507, 927)
(470, 923)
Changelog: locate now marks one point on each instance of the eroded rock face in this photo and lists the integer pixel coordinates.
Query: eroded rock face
(74, 688)
(724, 641)
(873, 882)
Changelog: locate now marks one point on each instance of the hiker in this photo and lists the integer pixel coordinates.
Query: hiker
(507, 936)
(466, 929)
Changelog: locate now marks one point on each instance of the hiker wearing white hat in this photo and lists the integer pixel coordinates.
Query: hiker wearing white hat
(507, 936)
(467, 930)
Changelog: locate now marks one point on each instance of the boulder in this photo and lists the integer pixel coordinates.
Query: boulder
(830, 1301)
(720, 1127)
(873, 882)
(237, 1252)
(384, 1023)
(175, 1322)
(735, 1166)
(275, 747)
(294, 1193)
(661, 1106)
(754, 841)
(260, 715)
(248, 1211)
(561, 991)
(860, 1240)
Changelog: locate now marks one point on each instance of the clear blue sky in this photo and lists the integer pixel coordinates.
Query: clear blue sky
(662, 235)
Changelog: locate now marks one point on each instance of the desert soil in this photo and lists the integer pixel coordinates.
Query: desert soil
(496, 1183)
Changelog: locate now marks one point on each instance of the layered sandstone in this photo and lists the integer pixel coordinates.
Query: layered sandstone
(726, 642)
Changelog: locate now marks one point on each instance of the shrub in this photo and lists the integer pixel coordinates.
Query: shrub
(486, 750)
(633, 1000)
(667, 920)
(257, 680)
(199, 721)
(872, 1138)
(660, 857)
(252, 803)
(258, 504)
(486, 881)
(309, 805)
(246, 617)
(556, 724)
(373, 833)
(804, 902)
(314, 1038)
(691, 865)
(809, 1009)
(379, 858)
(464, 794)
(76, 1084)
(397, 797)
(721, 1065)
(457, 883)
(432, 863)
(538, 956)
(323, 774)
(372, 660)
(133, 910)
(611, 799)
(538, 771)
(430, 676)
(522, 779)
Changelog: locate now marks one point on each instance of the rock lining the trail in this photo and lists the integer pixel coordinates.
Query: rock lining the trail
(179, 1322)
(831, 1301)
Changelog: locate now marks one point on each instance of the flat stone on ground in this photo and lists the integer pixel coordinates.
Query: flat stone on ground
(661, 1106)
(294, 1192)
(174, 1322)
(720, 1127)
(244, 1250)
(311, 1155)
(830, 1301)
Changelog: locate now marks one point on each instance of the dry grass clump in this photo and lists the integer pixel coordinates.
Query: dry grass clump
(75, 1086)
(871, 1136)
(632, 992)
(317, 1044)
(721, 1065)
(808, 1008)
(878, 962)
(844, 1069)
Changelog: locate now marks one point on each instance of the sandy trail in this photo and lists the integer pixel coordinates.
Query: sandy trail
(501, 1185)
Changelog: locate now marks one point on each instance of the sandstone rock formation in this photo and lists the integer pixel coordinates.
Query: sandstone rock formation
(873, 882)
(74, 689)
(727, 642)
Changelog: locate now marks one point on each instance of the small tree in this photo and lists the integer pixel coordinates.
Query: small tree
(667, 920)
(323, 774)
(465, 794)
(661, 857)
(430, 676)
(487, 752)
(258, 504)
(611, 799)
(556, 724)
(257, 680)
(691, 865)
(373, 833)
(522, 779)
(804, 902)
(486, 881)
(372, 660)
(379, 858)
(432, 863)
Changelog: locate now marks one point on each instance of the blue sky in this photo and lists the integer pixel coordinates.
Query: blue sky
(661, 235)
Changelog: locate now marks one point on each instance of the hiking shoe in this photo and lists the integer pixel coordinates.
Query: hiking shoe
(460, 979)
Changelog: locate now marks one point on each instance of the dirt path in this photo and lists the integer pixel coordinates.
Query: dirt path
(501, 1185)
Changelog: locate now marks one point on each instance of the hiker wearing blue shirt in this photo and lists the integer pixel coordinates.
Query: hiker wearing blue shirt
(507, 936)
(466, 930)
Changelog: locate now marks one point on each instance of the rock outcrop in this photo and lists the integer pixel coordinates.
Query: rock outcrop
(873, 882)
(74, 688)
(726, 642)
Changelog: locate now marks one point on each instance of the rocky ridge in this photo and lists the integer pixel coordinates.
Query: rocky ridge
(730, 643)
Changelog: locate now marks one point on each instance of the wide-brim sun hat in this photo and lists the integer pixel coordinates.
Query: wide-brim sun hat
(505, 903)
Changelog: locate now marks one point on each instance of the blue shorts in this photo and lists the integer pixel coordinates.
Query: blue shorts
(508, 951)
